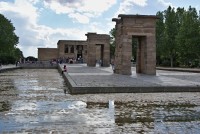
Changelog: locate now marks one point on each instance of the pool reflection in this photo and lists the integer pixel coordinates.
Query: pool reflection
(39, 100)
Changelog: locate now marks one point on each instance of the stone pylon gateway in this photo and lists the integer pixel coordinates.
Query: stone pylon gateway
(141, 27)
(93, 40)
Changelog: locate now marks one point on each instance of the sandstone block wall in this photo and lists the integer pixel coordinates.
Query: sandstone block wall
(47, 53)
(95, 40)
(143, 28)
(61, 48)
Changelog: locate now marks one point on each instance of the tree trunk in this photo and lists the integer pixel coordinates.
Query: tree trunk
(171, 60)
(199, 63)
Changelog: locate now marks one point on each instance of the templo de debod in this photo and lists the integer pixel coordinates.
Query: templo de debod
(141, 27)
(97, 46)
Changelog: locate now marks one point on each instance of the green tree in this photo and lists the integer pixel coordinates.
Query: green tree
(31, 58)
(177, 37)
(188, 37)
(160, 36)
(170, 34)
(8, 41)
(134, 48)
(112, 43)
(18, 53)
(179, 18)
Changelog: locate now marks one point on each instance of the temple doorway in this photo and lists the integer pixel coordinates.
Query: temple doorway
(101, 41)
(141, 28)
(100, 54)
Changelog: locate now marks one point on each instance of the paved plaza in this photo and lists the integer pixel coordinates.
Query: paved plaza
(83, 79)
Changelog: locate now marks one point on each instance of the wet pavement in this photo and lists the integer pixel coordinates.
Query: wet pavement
(37, 101)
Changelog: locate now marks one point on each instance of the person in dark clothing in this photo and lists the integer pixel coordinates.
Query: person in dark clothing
(16, 63)
(0, 65)
(64, 69)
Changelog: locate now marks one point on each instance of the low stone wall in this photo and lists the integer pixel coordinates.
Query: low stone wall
(8, 69)
(38, 65)
(193, 70)
(66, 78)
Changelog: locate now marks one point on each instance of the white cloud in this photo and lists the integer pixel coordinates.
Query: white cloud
(21, 7)
(34, 1)
(164, 3)
(141, 3)
(96, 7)
(80, 10)
(81, 18)
(126, 6)
(99, 28)
(59, 8)
(23, 14)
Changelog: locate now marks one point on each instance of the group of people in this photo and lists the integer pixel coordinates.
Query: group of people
(112, 62)
(69, 60)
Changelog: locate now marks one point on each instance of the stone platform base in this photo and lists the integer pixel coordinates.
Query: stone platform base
(84, 80)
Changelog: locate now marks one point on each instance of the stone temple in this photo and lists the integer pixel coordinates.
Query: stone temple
(97, 46)
(141, 27)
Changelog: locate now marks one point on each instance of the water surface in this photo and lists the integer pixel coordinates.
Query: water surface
(37, 101)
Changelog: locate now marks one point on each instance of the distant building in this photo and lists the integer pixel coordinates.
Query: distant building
(78, 49)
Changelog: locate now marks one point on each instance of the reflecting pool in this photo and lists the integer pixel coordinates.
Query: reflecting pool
(37, 101)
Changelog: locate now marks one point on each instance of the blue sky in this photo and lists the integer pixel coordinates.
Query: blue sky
(41, 23)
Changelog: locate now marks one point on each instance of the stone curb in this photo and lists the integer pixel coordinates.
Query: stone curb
(9, 69)
(179, 69)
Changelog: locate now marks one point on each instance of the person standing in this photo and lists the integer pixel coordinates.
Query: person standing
(113, 64)
(0, 65)
(64, 69)
(16, 63)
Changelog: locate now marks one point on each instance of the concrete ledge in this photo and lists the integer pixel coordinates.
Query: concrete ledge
(90, 90)
(39, 66)
(82, 80)
(193, 70)
(9, 69)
